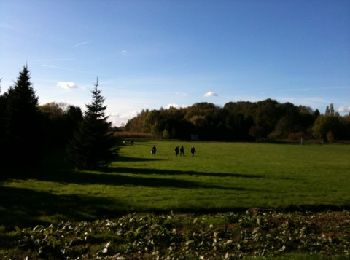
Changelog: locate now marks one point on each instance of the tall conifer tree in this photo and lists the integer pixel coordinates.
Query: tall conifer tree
(21, 122)
(93, 145)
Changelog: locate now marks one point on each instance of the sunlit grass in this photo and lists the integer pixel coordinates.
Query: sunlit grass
(220, 177)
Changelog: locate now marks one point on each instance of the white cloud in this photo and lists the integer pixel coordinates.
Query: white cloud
(344, 109)
(174, 105)
(80, 44)
(124, 52)
(122, 118)
(210, 94)
(67, 85)
(49, 66)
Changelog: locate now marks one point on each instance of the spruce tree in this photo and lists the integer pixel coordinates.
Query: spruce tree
(21, 127)
(93, 145)
(3, 139)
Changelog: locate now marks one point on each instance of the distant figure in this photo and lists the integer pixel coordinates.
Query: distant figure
(153, 150)
(177, 150)
(193, 150)
(182, 151)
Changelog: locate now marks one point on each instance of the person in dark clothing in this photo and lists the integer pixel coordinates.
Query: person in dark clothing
(177, 149)
(154, 150)
(193, 150)
(182, 151)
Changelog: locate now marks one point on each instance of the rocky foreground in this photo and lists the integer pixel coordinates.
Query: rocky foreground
(185, 236)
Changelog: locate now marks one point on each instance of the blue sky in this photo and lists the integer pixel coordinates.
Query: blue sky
(149, 54)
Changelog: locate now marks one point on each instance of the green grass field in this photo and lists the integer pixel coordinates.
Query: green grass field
(220, 177)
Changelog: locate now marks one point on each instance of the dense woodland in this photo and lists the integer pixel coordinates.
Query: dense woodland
(266, 120)
(32, 135)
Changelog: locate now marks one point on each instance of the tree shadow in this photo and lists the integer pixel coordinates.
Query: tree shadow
(22, 207)
(113, 178)
(179, 172)
(136, 159)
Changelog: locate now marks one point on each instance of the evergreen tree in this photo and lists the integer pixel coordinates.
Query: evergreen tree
(3, 141)
(21, 125)
(93, 145)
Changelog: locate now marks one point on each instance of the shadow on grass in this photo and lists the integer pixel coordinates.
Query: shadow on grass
(21, 207)
(179, 172)
(25, 207)
(117, 179)
(136, 159)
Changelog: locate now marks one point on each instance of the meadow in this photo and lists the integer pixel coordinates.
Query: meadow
(221, 177)
(229, 201)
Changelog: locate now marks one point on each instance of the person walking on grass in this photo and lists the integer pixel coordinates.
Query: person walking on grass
(153, 150)
(193, 150)
(182, 151)
(177, 149)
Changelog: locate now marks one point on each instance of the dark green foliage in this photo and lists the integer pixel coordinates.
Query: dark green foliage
(59, 122)
(243, 121)
(93, 145)
(32, 135)
(2, 123)
(20, 123)
(37, 136)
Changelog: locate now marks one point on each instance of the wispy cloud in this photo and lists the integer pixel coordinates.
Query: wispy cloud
(210, 94)
(80, 44)
(344, 109)
(182, 94)
(47, 60)
(67, 85)
(335, 87)
(174, 105)
(124, 53)
(49, 66)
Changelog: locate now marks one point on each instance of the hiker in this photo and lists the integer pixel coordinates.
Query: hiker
(154, 150)
(182, 151)
(193, 150)
(177, 149)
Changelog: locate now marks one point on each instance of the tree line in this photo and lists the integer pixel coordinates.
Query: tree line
(266, 120)
(32, 135)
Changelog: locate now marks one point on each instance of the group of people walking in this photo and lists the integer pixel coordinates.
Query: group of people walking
(181, 150)
(178, 150)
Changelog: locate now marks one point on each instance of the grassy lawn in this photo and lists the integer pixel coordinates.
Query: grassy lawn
(88, 209)
(220, 177)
